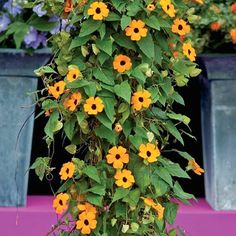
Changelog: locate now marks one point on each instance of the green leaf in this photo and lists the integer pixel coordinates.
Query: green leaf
(123, 90)
(171, 212)
(90, 89)
(95, 199)
(185, 155)
(51, 124)
(109, 135)
(174, 131)
(65, 186)
(123, 41)
(69, 128)
(79, 41)
(98, 189)
(147, 46)
(42, 23)
(109, 107)
(161, 187)
(41, 165)
(119, 194)
(105, 45)
(152, 22)
(179, 193)
(105, 120)
(89, 26)
(163, 173)
(125, 20)
(132, 198)
(113, 17)
(71, 149)
(101, 76)
(92, 173)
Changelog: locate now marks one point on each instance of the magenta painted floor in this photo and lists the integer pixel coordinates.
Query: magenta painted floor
(38, 216)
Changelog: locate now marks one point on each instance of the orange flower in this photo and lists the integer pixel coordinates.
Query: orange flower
(215, 26)
(60, 202)
(48, 112)
(175, 54)
(86, 222)
(67, 171)
(189, 51)
(199, 1)
(233, 7)
(118, 157)
(87, 207)
(122, 63)
(73, 73)
(156, 206)
(57, 89)
(192, 164)
(168, 8)
(118, 128)
(98, 10)
(68, 6)
(93, 105)
(141, 99)
(72, 101)
(233, 35)
(150, 7)
(180, 27)
(124, 178)
(136, 30)
(149, 152)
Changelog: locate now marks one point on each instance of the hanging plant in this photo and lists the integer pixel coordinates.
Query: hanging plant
(110, 90)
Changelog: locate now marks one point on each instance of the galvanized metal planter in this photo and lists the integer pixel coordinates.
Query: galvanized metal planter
(218, 107)
(16, 79)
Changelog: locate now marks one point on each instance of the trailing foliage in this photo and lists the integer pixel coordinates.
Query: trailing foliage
(110, 89)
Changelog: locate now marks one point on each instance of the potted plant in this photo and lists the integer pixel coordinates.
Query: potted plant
(110, 89)
(23, 35)
(214, 35)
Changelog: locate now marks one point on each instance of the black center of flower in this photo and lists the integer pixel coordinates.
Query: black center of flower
(122, 63)
(60, 202)
(168, 7)
(140, 99)
(180, 27)
(149, 154)
(189, 51)
(74, 76)
(98, 10)
(57, 89)
(86, 222)
(136, 30)
(124, 179)
(94, 107)
(67, 171)
(117, 156)
(75, 102)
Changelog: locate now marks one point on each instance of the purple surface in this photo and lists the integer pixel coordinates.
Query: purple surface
(38, 217)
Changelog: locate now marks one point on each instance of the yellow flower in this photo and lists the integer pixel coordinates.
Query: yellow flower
(117, 157)
(156, 206)
(189, 51)
(93, 105)
(149, 152)
(199, 1)
(136, 30)
(118, 128)
(192, 164)
(87, 207)
(73, 73)
(124, 178)
(67, 171)
(57, 89)
(122, 63)
(72, 101)
(141, 99)
(150, 7)
(98, 10)
(86, 222)
(60, 202)
(180, 27)
(168, 7)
